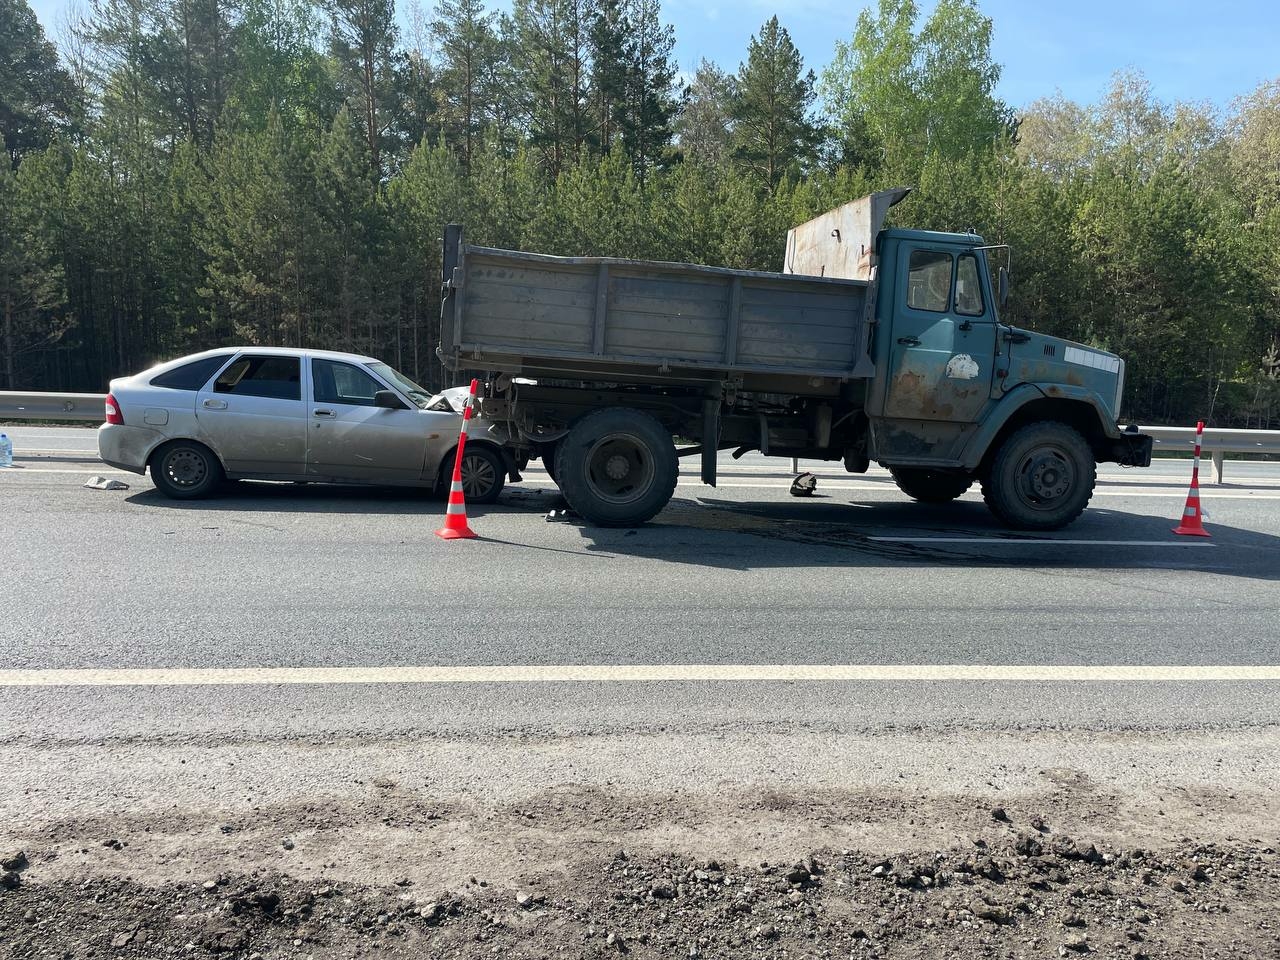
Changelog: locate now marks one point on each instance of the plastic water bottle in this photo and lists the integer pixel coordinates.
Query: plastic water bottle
(6, 450)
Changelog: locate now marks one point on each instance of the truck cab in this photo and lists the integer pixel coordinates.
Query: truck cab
(953, 383)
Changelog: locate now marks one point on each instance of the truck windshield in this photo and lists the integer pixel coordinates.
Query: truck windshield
(416, 393)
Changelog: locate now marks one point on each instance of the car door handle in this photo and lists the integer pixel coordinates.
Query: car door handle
(216, 404)
(324, 413)
(909, 341)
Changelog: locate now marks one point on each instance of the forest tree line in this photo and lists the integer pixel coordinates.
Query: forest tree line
(190, 173)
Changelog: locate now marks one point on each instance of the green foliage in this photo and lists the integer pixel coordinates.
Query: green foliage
(901, 96)
(198, 173)
(35, 92)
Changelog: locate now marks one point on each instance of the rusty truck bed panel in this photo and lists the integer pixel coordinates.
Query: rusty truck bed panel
(532, 313)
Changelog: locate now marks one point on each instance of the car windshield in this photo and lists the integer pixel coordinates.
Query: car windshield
(416, 392)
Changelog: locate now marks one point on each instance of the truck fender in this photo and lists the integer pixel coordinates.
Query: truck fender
(1046, 398)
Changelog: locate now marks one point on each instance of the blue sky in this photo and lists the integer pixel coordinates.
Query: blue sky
(1188, 50)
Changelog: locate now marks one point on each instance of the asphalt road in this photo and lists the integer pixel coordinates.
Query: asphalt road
(286, 576)
(752, 677)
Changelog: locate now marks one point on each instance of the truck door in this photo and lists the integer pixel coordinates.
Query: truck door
(943, 334)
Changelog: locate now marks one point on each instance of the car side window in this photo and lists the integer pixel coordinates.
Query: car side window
(929, 281)
(190, 376)
(336, 382)
(968, 289)
(262, 376)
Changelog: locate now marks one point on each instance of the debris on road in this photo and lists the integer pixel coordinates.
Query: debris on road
(102, 483)
(804, 485)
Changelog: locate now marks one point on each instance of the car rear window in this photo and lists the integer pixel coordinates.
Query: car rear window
(190, 376)
(256, 376)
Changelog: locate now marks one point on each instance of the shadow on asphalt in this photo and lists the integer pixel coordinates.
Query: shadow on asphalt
(707, 531)
(847, 532)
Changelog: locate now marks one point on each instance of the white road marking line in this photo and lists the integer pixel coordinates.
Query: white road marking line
(83, 473)
(1019, 541)
(631, 673)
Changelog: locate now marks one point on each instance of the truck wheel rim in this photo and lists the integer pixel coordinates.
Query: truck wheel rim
(185, 468)
(478, 476)
(1045, 476)
(620, 468)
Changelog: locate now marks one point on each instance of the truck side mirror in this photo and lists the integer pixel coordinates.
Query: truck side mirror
(1004, 287)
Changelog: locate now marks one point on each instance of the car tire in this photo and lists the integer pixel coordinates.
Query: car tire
(1042, 477)
(617, 467)
(930, 486)
(484, 473)
(185, 470)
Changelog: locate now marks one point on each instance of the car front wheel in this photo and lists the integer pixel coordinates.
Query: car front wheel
(483, 473)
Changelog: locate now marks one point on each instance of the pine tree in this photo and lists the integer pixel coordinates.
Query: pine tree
(648, 106)
(772, 131)
(703, 127)
(35, 92)
(467, 42)
(32, 295)
(362, 40)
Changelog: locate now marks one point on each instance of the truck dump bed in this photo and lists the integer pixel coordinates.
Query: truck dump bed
(625, 320)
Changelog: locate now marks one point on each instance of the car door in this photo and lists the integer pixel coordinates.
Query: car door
(253, 416)
(944, 340)
(349, 438)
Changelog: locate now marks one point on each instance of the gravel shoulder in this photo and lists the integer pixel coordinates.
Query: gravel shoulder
(1045, 843)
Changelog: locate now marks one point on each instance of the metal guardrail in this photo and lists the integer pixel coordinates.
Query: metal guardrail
(1218, 442)
(51, 406)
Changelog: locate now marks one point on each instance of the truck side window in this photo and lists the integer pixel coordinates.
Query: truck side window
(929, 281)
(968, 290)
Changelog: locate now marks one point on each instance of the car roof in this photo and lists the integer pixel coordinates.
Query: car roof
(280, 351)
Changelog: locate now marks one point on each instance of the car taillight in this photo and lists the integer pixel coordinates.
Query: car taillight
(113, 410)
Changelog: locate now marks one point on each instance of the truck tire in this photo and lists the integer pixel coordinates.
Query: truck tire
(930, 486)
(1042, 477)
(617, 467)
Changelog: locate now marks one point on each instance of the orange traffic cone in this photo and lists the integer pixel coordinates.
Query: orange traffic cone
(1192, 524)
(455, 516)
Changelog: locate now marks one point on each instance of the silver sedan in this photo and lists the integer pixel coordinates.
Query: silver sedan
(264, 413)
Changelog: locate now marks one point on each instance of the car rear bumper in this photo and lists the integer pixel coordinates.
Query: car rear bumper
(127, 447)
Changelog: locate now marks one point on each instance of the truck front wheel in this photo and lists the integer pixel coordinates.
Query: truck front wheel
(617, 467)
(930, 486)
(1042, 477)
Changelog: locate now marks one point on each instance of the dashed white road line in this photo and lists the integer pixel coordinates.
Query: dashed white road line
(633, 673)
(1021, 541)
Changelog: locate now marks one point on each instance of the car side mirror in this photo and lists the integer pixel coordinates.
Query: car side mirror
(389, 399)
(1004, 287)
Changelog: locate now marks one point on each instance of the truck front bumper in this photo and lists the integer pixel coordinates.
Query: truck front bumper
(1131, 450)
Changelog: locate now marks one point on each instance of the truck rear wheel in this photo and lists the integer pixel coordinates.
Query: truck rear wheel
(930, 486)
(617, 467)
(1042, 477)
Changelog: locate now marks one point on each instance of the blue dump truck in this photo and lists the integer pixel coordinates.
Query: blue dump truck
(874, 345)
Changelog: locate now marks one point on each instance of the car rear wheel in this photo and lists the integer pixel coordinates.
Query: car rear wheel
(185, 470)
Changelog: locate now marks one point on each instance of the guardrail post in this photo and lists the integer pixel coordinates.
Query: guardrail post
(795, 464)
(1219, 458)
